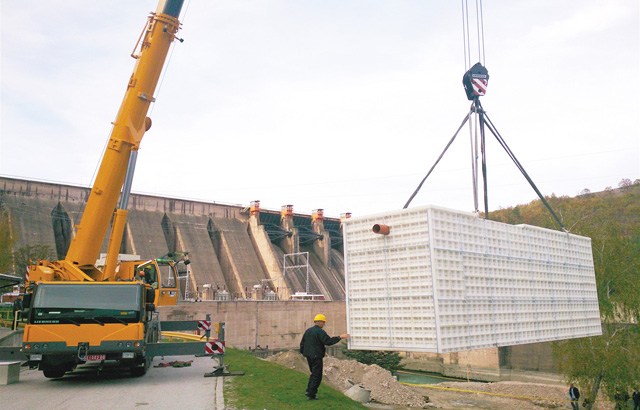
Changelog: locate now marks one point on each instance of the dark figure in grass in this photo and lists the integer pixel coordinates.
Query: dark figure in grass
(312, 347)
(621, 398)
(636, 399)
(575, 396)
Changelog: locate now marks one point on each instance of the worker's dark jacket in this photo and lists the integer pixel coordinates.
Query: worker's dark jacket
(314, 340)
(574, 393)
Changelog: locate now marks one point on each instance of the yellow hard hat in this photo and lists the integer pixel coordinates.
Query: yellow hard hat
(320, 318)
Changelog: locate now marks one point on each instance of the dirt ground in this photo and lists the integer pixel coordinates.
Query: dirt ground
(388, 394)
(449, 399)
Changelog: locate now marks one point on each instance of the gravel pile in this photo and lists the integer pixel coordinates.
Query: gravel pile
(384, 388)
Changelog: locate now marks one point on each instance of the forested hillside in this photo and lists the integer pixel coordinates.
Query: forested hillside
(612, 220)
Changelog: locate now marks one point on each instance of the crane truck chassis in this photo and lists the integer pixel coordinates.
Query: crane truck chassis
(70, 323)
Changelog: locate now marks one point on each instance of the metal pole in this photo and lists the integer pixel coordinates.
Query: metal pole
(15, 319)
(186, 286)
(480, 113)
(221, 339)
(307, 265)
(128, 180)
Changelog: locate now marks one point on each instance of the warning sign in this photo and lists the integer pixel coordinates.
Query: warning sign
(214, 347)
(204, 324)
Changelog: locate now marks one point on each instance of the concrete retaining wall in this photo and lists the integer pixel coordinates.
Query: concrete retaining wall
(279, 325)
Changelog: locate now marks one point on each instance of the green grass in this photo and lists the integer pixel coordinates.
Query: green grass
(267, 385)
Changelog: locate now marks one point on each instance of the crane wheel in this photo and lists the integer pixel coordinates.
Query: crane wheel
(140, 370)
(53, 373)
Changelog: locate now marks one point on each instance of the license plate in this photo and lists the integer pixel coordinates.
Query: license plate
(95, 357)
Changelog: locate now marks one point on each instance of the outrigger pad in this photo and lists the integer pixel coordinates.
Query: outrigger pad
(221, 371)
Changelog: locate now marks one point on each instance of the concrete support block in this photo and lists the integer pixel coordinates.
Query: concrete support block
(267, 257)
(322, 248)
(9, 372)
(290, 244)
(358, 393)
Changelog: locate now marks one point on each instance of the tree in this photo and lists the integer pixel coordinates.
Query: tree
(7, 240)
(25, 255)
(609, 361)
(386, 360)
(625, 183)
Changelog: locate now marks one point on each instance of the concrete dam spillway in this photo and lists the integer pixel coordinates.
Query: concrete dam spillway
(236, 249)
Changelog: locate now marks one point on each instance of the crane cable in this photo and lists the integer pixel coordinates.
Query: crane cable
(466, 33)
(475, 127)
(474, 123)
(480, 23)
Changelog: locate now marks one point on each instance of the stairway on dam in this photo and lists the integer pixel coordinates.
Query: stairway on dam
(192, 235)
(229, 249)
(239, 258)
(142, 233)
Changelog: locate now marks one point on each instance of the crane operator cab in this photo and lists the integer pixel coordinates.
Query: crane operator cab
(147, 273)
(161, 274)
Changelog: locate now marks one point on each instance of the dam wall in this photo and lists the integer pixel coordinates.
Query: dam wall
(226, 253)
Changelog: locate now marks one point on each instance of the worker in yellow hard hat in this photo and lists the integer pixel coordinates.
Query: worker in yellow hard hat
(312, 347)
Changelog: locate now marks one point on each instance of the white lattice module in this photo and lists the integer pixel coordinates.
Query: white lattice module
(446, 281)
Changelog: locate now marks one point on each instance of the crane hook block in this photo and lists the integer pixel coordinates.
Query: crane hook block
(475, 81)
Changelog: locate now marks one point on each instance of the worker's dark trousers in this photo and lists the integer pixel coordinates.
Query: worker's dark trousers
(315, 366)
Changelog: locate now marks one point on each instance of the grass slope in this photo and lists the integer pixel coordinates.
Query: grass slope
(268, 385)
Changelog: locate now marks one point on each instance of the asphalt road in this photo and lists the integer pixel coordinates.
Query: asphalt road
(183, 388)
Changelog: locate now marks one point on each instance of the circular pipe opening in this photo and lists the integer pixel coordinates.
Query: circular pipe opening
(381, 229)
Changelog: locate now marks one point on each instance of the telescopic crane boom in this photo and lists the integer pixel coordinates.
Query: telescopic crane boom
(128, 129)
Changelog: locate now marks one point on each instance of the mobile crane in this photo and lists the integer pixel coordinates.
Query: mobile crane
(79, 313)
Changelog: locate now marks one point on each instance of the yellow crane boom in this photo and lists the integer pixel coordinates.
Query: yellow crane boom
(128, 129)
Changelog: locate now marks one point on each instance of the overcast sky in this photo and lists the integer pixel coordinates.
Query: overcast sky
(342, 105)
